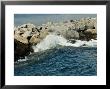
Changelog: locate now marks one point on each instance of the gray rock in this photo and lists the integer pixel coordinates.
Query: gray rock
(71, 34)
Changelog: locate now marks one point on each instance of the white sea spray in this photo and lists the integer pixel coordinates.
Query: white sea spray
(53, 40)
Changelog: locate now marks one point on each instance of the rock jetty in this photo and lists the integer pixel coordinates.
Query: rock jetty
(27, 35)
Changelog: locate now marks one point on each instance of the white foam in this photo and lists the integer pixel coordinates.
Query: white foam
(21, 60)
(52, 41)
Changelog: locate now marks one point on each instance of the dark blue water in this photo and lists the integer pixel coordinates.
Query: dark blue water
(63, 61)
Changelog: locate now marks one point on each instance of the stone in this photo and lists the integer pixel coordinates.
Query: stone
(43, 33)
(34, 39)
(90, 34)
(21, 50)
(21, 39)
(92, 31)
(71, 34)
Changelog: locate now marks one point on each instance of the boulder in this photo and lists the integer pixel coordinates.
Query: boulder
(34, 39)
(43, 33)
(92, 31)
(21, 39)
(65, 30)
(21, 49)
(71, 34)
(88, 34)
(91, 34)
(22, 45)
(82, 36)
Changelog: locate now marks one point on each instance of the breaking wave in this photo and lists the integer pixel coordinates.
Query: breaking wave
(52, 41)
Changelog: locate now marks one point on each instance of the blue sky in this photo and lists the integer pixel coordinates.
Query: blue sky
(39, 19)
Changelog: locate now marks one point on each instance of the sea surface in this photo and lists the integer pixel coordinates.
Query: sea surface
(39, 19)
(59, 61)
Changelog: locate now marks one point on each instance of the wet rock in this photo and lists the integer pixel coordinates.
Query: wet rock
(71, 34)
(22, 44)
(34, 39)
(21, 50)
(90, 34)
(92, 31)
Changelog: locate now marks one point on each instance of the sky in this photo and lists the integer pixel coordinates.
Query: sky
(39, 19)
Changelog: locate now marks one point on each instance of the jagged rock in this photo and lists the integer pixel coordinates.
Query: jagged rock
(84, 24)
(71, 34)
(43, 33)
(34, 39)
(25, 36)
(88, 34)
(92, 31)
(73, 28)
(21, 49)
(21, 39)
(22, 35)
(65, 31)
(82, 36)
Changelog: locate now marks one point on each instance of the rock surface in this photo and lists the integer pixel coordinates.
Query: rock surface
(27, 35)
(24, 37)
(21, 50)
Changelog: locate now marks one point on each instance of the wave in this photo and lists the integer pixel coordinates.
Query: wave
(52, 41)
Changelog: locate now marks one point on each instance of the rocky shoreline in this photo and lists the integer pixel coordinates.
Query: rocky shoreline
(27, 35)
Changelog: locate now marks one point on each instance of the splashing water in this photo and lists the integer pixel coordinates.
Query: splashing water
(52, 41)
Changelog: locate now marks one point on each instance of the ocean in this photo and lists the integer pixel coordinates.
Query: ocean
(55, 56)
(39, 19)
